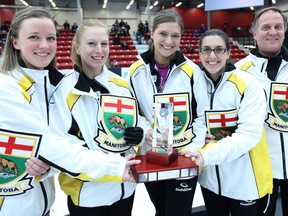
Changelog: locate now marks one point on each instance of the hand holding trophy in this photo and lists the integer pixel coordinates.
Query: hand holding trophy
(162, 161)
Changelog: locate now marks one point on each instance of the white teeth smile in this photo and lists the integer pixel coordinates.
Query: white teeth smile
(213, 63)
(42, 54)
(167, 47)
(97, 58)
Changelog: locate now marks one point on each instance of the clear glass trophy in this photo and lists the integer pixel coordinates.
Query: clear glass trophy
(162, 161)
(162, 144)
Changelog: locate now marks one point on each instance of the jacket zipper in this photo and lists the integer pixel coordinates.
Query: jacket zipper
(283, 155)
(123, 191)
(41, 183)
(46, 100)
(45, 198)
(211, 108)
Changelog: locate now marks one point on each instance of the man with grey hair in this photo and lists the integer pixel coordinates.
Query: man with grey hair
(268, 62)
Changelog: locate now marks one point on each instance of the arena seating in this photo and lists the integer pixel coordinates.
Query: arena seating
(124, 57)
(63, 54)
(127, 57)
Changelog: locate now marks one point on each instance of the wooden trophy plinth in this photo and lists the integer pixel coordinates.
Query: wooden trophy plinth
(183, 167)
(160, 158)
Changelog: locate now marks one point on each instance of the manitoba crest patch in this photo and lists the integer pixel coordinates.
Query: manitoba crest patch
(15, 149)
(182, 130)
(221, 123)
(118, 113)
(278, 120)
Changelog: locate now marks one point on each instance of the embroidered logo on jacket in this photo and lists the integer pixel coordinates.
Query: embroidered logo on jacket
(182, 130)
(278, 120)
(15, 149)
(221, 123)
(118, 113)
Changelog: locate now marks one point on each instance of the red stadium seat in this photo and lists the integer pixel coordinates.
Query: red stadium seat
(65, 38)
(64, 43)
(125, 63)
(63, 53)
(123, 58)
(115, 47)
(123, 52)
(63, 59)
(122, 63)
(65, 66)
(64, 48)
(192, 56)
(196, 61)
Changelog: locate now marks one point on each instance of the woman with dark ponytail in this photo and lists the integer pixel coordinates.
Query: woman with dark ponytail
(236, 137)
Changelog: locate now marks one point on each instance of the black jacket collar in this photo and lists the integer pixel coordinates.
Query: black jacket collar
(54, 75)
(283, 54)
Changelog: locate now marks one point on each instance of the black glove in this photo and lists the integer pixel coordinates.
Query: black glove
(133, 135)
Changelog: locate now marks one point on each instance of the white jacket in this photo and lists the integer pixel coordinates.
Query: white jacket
(276, 122)
(26, 97)
(83, 115)
(243, 170)
(185, 82)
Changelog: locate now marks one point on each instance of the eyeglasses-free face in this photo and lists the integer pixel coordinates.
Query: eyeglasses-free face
(217, 50)
(270, 33)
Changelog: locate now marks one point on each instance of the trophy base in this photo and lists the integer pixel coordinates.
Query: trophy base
(183, 167)
(161, 159)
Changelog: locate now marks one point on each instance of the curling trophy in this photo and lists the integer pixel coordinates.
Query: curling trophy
(162, 161)
(162, 151)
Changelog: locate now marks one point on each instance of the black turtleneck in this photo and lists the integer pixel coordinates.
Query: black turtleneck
(273, 64)
(94, 84)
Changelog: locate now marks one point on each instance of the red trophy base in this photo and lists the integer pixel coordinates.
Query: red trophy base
(161, 159)
(147, 172)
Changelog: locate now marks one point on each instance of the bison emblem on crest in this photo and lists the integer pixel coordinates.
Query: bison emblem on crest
(5, 163)
(177, 120)
(118, 121)
(222, 133)
(283, 106)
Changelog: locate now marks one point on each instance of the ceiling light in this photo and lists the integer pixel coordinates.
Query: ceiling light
(251, 8)
(178, 4)
(25, 3)
(200, 5)
(151, 7)
(155, 3)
